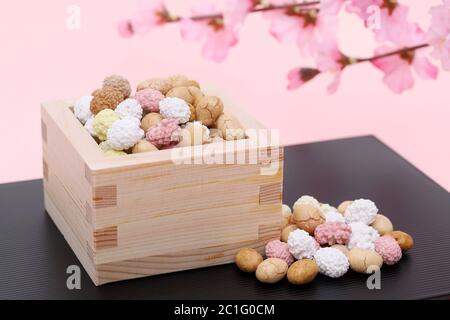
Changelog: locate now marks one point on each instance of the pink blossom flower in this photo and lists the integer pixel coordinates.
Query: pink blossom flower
(360, 7)
(398, 68)
(439, 33)
(305, 27)
(125, 29)
(218, 36)
(331, 60)
(299, 76)
(393, 22)
(392, 16)
(236, 11)
(149, 14)
(331, 6)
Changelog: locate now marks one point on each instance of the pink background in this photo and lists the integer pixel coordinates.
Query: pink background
(41, 59)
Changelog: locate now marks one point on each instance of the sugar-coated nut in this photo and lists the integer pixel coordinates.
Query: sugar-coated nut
(326, 208)
(230, 128)
(188, 94)
(149, 99)
(363, 260)
(125, 133)
(150, 120)
(104, 146)
(361, 210)
(307, 200)
(180, 80)
(362, 236)
(302, 272)
(388, 248)
(331, 216)
(271, 270)
(286, 214)
(143, 146)
(208, 109)
(286, 210)
(341, 248)
(302, 245)
(343, 206)
(404, 240)
(103, 121)
(280, 250)
(307, 217)
(175, 108)
(114, 153)
(248, 260)
(82, 108)
(214, 132)
(89, 126)
(287, 231)
(193, 116)
(129, 108)
(118, 83)
(106, 98)
(194, 133)
(164, 133)
(382, 224)
(331, 262)
(331, 233)
(160, 84)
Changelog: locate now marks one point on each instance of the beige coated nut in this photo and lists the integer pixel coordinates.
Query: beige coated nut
(208, 109)
(287, 231)
(248, 259)
(382, 224)
(307, 217)
(341, 248)
(160, 84)
(230, 128)
(271, 270)
(302, 272)
(150, 120)
(143, 146)
(343, 206)
(364, 261)
(404, 240)
(188, 94)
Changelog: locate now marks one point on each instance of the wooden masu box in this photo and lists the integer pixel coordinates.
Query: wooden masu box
(142, 214)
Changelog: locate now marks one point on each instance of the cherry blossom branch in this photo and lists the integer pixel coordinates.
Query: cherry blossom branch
(389, 54)
(304, 5)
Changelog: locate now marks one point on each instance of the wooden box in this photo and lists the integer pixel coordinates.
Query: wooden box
(143, 214)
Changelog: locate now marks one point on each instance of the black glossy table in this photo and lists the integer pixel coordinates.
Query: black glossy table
(34, 255)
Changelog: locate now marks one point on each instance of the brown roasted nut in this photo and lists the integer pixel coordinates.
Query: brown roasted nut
(341, 248)
(182, 81)
(248, 259)
(118, 83)
(271, 270)
(286, 214)
(160, 84)
(362, 260)
(302, 272)
(150, 120)
(188, 94)
(143, 146)
(230, 128)
(287, 231)
(382, 224)
(208, 109)
(343, 206)
(404, 240)
(307, 217)
(106, 98)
